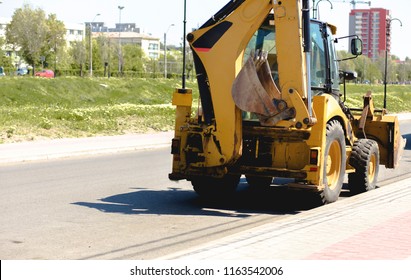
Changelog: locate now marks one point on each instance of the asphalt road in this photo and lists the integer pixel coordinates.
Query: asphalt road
(119, 206)
(123, 206)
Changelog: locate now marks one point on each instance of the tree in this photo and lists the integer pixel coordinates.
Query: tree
(105, 49)
(5, 61)
(366, 69)
(54, 38)
(27, 32)
(345, 65)
(78, 52)
(134, 58)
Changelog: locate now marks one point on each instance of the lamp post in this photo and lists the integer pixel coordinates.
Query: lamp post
(387, 33)
(120, 8)
(314, 9)
(91, 45)
(165, 50)
(316, 13)
(184, 46)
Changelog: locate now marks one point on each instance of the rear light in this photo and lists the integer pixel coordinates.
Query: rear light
(314, 157)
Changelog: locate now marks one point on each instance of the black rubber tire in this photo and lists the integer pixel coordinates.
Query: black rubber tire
(258, 182)
(335, 161)
(365, 158)
(212, 188)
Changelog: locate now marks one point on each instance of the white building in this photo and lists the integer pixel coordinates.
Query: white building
(150, 45)
(75, 32)
(10, 52)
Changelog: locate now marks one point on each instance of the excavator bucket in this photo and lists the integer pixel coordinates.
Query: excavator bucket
(254, 89)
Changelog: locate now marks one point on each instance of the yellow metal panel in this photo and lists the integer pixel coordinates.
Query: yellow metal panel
(317, 136)
(182, 99)
(183, 102)
(222, 63)
(291, 60)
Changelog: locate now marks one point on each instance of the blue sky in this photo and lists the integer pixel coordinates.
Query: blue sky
(155, 16)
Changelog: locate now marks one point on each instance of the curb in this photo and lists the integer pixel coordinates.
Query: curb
(72, 147)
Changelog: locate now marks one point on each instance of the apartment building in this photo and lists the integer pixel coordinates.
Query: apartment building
(75, 32)
(127, 33)
(371, 26)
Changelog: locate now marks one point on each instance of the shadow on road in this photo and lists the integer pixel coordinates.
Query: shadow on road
(175, 201)
(246, 201)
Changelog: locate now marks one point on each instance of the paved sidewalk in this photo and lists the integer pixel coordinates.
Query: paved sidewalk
(372, 226)
(68, 147)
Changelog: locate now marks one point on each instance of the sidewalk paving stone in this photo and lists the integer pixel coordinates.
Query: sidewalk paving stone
(372, 226)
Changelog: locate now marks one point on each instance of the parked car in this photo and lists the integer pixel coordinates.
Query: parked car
(22, 71)
(45, 74)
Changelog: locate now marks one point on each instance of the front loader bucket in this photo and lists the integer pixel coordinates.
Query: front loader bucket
(254, 89)
(385, 129)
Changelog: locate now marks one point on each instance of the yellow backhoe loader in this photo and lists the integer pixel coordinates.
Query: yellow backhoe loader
(271, 106)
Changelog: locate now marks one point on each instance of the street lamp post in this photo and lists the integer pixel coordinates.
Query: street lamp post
(165, 51)
(314, 9)
(120, 8)
(184, 45)
(316, 14)
(91, 45)
(387, 33)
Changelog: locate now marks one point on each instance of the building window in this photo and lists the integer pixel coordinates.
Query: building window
(153, 55)
(153, 46)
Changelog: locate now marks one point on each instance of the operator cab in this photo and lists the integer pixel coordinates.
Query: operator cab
(324, 69)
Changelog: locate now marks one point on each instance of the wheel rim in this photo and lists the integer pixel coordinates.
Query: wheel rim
(372, 168)
(333, 164)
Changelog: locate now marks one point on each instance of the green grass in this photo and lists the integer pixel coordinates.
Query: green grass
(398, 96)
(73, 91)
(32, 108)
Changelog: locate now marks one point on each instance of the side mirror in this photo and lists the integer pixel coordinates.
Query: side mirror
(356, 46)
(348, 75)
